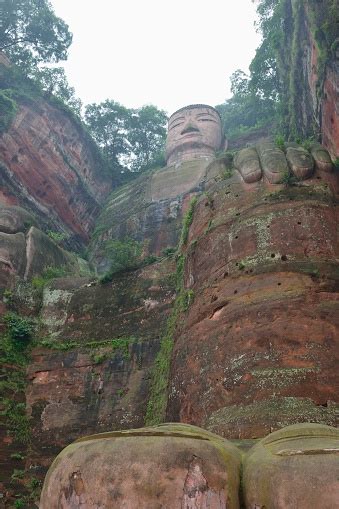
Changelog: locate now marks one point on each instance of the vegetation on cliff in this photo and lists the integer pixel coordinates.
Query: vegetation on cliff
(276, 87)
(156, 406)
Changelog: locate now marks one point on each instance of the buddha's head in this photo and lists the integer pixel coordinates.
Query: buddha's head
(194, 132)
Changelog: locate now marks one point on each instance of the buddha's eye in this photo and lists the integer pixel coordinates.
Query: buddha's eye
(205, 120)
(175, 125)
(176, 122)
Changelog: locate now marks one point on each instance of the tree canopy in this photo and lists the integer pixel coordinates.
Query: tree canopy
(132, 140)
(53, 81)
(31, 33)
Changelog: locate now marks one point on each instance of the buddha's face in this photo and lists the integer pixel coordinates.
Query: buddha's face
(193, 132)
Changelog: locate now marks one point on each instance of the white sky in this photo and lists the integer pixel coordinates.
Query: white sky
(167, 53)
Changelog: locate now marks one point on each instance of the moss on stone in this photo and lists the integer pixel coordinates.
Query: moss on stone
(280, 411)
(8, 109)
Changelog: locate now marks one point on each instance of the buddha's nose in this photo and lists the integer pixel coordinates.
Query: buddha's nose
(190, 127)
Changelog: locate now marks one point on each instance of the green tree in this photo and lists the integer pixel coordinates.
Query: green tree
(131, 140)
(258, 98)
(109, 123)
(31, 33)
(54, 82)
(147, 135)
(247, 108)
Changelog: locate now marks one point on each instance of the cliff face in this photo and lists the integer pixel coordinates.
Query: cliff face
(309, 69)
(49, 166)
(148, 210)
(330, 108)
(93, 373)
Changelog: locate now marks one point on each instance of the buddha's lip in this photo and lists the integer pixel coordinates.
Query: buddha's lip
(190, 134)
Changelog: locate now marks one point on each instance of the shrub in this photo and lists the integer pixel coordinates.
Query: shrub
(307, 144)
(169, 252)
(227, 174)
(57, 237)
(19, 328)
(148, 260)
(280, 142)
(289, 179)
(17, 474)
(17, 456)
(48, 274)
(123, 255)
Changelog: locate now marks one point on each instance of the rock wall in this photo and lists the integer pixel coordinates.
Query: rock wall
(149, 210)
(50, 166)
(308, 67)
(26, 252)
(91, 370)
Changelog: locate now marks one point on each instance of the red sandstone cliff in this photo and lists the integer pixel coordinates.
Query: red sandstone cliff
(50, 166)
(311, 71)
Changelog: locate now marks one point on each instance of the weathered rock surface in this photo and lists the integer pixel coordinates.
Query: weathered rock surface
(94, 372)
(49, 166)
(149, 210)
(43, 253)
(330, 108)
(309, 74)
(321, 157)
(172, 466)
(15, 219)
(247, 162)
(273, 162)
(259, 346)
(12, 255)
(294, 467)
(25, 256)
(300, 162)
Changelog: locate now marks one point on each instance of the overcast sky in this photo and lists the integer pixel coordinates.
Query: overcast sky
(167, 53)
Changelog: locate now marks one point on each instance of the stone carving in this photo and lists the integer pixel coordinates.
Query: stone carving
(172, 466)
(194, 132)
(182, 466)
(267, 160)
(296, 466)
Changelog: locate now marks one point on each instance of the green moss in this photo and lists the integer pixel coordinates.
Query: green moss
(157, 402)
(8, 109)
(16, 420)
(115, 345)
(156, 406)
(187, 221)
(47, 275)
(14, 357)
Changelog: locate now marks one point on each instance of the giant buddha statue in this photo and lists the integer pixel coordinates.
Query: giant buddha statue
(194, 132)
